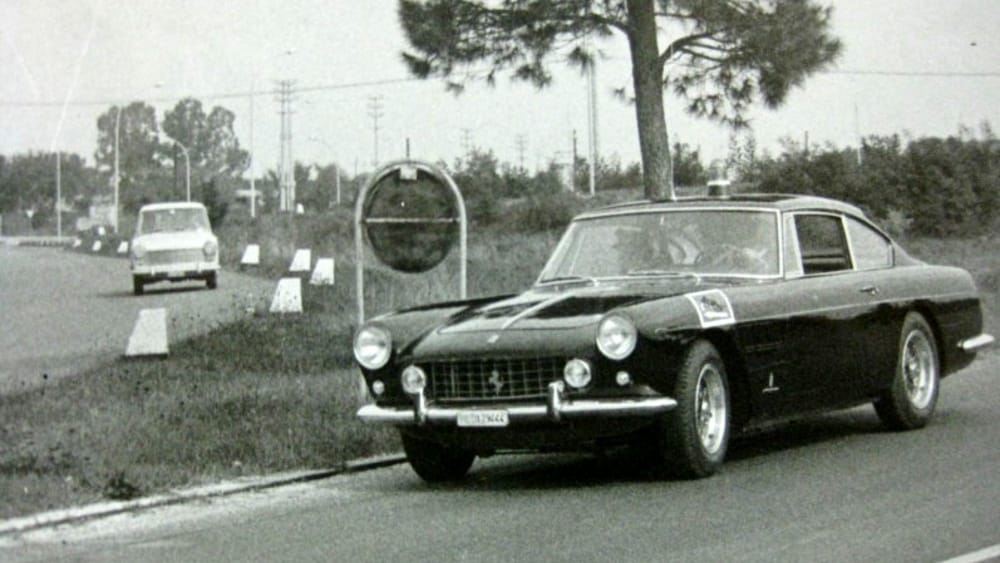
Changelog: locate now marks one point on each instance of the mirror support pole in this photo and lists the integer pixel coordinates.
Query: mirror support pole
(406, 168)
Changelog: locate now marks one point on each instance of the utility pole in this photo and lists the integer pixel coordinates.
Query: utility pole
(59, 194)
(857, 133)
(573, 165)
(592, 124)
(520, 143)
(117, 177)
(375, 112)
(466, 143)
(286, 166)
(253, 168)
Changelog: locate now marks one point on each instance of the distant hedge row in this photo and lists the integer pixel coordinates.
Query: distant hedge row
(929, 186)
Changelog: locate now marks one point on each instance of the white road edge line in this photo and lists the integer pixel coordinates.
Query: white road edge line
(977, 556)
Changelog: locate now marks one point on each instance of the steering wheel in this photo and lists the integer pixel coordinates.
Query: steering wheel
(732, 259)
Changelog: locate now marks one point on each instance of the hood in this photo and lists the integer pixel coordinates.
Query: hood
(173, 240)
(563, 308)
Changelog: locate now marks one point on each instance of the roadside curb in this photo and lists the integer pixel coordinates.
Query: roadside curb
(249, 484)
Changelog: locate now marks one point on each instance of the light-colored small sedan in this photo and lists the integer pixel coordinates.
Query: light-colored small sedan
(174, 242)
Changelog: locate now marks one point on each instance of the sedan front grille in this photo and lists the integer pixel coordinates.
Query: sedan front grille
(502, 378)
(167, 257)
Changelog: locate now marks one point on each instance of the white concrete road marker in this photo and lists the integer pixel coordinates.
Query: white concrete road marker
(149, 337)
(77, 242)
(288, 297)
(123, 247)
(251, 255)
(96, 247)
(323, 273)
(302, 261)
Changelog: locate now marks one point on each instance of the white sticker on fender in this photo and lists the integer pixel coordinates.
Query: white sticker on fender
(713, 307)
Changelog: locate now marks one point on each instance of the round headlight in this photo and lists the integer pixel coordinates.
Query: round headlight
(577, 373)
(414, 380)
(210, 248)
(372, 347)
(616, 337)
(138, 250)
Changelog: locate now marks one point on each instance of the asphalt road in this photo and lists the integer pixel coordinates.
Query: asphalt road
(831, 488)
(62, 312)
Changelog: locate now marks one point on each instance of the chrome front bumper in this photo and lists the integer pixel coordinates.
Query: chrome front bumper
(976, 343)
(555, 409)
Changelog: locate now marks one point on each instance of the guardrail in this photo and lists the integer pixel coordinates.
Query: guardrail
(36, 241)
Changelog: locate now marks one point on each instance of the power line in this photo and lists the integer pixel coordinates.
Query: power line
(363, 84)
(916, 73)
(238, 94)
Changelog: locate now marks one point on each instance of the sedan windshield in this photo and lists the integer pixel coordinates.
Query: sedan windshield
(172, 220)
(701, 242)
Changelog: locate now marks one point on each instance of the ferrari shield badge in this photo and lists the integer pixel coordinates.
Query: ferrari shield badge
(713, 307)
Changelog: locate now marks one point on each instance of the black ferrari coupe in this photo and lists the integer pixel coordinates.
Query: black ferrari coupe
(671, 326)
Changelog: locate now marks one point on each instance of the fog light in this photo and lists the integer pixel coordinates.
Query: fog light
(414, 380)
(622, 378)
(577, 373)
(378, 387)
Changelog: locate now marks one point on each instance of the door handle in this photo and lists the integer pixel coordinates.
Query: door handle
(869, 289)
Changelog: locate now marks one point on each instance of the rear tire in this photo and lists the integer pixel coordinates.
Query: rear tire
(690, 441)
(435, 463)
(138, 285)
(909, 402)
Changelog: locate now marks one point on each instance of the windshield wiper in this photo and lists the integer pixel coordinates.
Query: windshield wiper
(570, 279)
(663, 273)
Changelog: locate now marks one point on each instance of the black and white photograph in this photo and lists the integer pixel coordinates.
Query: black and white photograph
(499, 280)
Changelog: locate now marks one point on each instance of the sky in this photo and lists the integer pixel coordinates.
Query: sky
(913, 67)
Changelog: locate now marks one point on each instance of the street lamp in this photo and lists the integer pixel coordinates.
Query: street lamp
(336, 169)
(187, 168)
(118, 129)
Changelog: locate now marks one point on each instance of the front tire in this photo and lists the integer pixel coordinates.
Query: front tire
(138, 285)
(212, 280)
(435, 463)
(691, 441)
(909, 402)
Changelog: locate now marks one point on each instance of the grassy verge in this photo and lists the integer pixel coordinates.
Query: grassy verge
(267, 393)
(252, 398)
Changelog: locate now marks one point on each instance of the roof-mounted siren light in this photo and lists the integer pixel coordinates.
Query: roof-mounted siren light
(718, 188)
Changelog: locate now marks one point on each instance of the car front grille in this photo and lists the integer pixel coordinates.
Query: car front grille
(166, 257)
(502, 378)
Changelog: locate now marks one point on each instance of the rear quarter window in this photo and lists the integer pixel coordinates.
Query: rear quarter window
(869, 248)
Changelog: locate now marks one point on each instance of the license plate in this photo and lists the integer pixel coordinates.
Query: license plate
(483, 418)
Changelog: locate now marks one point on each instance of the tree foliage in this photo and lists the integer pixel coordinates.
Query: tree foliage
(719, 57)
(929, 186)
(210, 139)
(139, 146)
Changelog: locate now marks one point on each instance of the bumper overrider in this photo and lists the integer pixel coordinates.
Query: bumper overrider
(555, 409)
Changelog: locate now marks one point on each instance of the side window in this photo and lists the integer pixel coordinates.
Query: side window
(822, 244)
(869, 248)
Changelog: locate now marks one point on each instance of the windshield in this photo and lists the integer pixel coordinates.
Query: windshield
(682, 242)
(173, 220)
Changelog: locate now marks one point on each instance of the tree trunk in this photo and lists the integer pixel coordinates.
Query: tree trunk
(647, 77)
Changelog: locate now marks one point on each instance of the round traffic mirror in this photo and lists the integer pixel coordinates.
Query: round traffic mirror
(411, 218)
